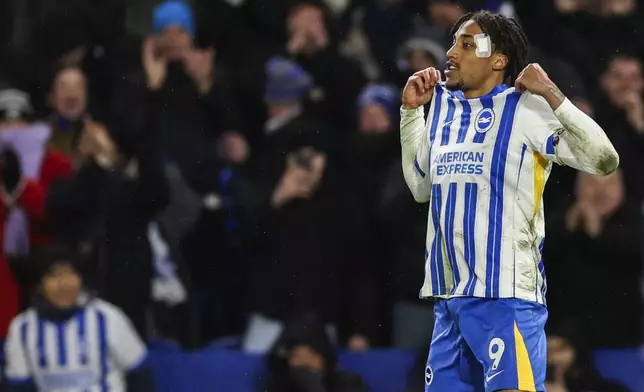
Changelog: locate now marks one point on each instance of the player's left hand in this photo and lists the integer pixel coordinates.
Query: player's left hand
(533, 79)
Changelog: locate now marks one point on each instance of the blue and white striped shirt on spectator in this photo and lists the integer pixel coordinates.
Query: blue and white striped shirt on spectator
(90, 352)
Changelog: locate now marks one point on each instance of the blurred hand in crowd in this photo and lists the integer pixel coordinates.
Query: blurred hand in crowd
(233, 147)
(95, 142)
(154, 64)
(303, 174)
(307, 30)
(597, 199)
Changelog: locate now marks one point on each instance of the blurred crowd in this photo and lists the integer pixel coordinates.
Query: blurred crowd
(226, 166)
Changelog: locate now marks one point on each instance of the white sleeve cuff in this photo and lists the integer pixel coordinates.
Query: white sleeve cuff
(565, 108)
(412, 113)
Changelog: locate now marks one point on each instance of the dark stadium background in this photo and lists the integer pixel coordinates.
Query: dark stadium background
(348, 254)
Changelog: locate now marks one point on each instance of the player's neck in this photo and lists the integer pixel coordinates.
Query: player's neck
(484, 89)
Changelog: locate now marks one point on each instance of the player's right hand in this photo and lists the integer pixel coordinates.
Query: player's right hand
(420, 87)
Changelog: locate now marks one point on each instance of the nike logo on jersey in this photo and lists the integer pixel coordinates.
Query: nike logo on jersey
(491, 376)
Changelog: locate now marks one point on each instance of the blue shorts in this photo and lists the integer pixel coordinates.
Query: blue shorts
(487, 345)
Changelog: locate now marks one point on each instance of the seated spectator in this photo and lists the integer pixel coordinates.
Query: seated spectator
(570, 365)
(69, 339)
(304, 360)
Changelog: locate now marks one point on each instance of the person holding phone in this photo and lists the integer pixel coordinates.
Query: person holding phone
(308, 237)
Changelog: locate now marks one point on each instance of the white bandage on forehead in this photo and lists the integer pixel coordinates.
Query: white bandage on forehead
(483, 45)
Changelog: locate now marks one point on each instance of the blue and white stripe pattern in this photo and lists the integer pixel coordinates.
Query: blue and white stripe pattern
(90, 352)
(484, 226)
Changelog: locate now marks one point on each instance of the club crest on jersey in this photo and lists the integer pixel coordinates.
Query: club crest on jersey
(429, 375)
(484, 120)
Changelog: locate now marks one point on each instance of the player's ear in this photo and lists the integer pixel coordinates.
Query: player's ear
(499, 62)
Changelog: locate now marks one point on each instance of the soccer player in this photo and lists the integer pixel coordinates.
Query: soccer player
(482, 160)
(70, 341)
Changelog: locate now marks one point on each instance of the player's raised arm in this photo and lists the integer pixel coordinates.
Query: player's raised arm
(560, 131)
(413, 132)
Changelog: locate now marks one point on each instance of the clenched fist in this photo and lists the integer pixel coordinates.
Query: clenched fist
(420, 87)
(535, 80)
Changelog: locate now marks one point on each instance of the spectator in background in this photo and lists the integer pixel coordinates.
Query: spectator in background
(393, 16)
(420, 51)
(621, 110)
(184, 91)
(600, 234)
(313, 44)
(445, 13)
(104, 209)
(312, 41)
(303, 359)
(69, 339)
(370, 161)
(395, 222)
(68, 100)
(27, 169)
(570, 365)
(192, 103)
(308, 244)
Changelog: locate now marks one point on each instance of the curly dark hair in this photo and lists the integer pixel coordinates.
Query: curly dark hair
(507, 36)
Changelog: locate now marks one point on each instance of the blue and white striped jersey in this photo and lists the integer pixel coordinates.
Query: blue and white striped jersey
(91, 352)
(483, 164)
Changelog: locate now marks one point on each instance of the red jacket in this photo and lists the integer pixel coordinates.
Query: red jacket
(55, 165)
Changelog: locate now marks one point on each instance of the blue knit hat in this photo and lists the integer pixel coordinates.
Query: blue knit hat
(286, 81)
(384, 95)
(173, 13)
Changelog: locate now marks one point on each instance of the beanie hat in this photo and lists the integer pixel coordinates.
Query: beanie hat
(383, 95)
(426, 44)
(173, 13)
(286, 81)
(15, 104)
